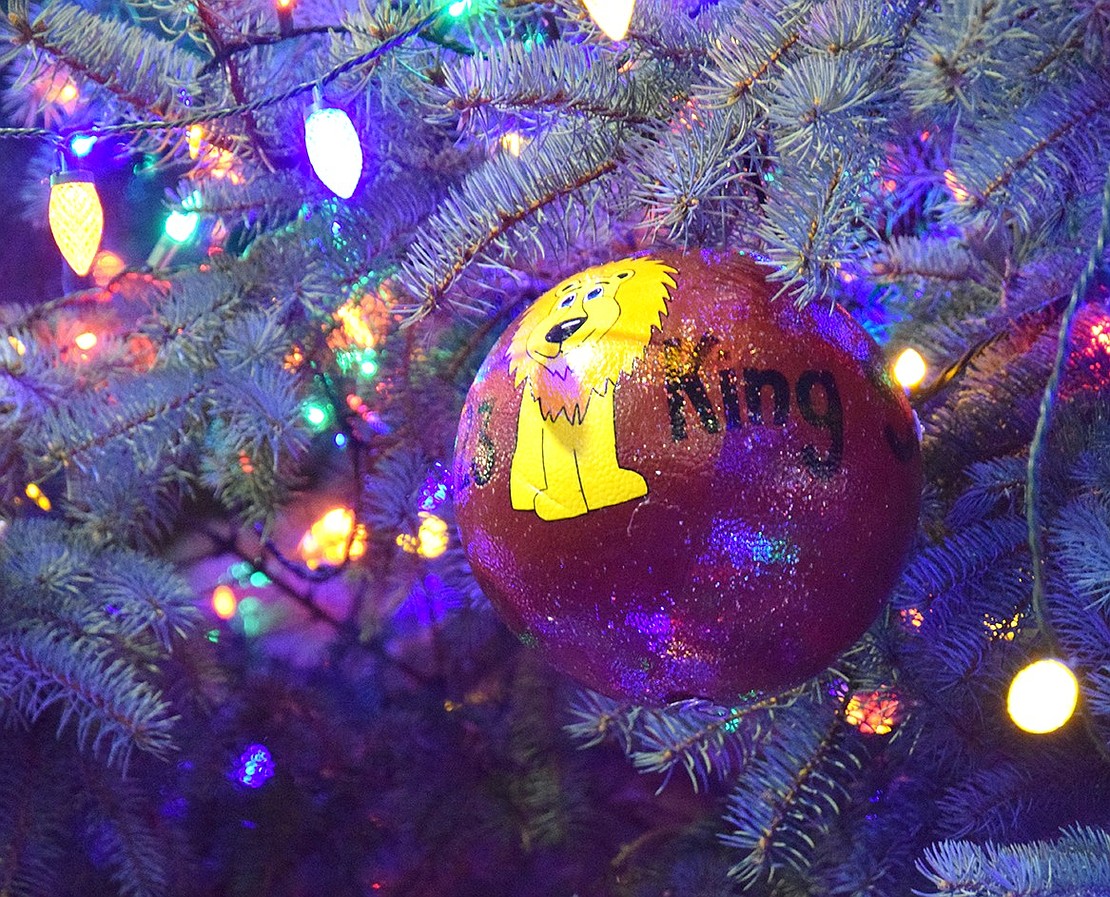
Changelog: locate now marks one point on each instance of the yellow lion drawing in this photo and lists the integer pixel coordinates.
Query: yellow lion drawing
(571, 347)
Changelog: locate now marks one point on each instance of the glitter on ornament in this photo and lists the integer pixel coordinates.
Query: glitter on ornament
(912, 617)
(255, 766)
(660, 476)
(1042, 696)
(333, 539)
(224, 602)
(873, 713)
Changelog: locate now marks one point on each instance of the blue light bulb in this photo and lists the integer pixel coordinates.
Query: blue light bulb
(81, 145)
(333, 149)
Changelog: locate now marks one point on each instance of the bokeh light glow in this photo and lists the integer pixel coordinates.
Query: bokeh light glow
(333, 539)
(181, 226)
(255, 766)
(1042, 696)
(224, 602)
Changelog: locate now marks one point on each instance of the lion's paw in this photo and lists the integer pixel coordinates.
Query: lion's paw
(548, 508)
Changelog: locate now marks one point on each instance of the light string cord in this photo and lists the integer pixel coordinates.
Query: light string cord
(1039, 444)
(227, 111)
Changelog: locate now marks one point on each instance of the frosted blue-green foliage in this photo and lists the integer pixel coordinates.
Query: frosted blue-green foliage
(1077, 864)
(935, 165)
(83, 631)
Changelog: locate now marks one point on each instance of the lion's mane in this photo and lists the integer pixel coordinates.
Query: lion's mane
(642, 300)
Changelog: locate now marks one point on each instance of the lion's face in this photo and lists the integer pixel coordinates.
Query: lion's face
(580, 312)
(579, 337)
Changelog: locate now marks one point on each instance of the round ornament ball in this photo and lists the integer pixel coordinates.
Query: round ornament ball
(672, 484)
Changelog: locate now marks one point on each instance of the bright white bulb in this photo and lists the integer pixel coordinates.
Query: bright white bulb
(909, 369)
(1042, 696)
(180, 226)
(611, 16)
(333, 150)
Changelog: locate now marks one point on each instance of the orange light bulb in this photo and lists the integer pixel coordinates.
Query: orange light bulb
(76, 218)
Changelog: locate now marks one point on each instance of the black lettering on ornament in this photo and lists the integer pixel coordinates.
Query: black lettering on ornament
(831, 419)
(816, 394)
(693, 387)
(754, 384)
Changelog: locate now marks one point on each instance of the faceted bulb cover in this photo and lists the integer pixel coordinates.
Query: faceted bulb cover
(334, 150)
(672, 485)
(76, 218)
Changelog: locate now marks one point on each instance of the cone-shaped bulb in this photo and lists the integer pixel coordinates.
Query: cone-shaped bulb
(76, 218)
(333, 149)
(611, 16)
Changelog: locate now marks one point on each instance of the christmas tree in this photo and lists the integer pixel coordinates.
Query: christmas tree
(242, 651)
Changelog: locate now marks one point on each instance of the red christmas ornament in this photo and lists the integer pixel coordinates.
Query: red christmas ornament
(673, 486)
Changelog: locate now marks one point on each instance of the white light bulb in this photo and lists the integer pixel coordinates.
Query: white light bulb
(1042, 696)
(333, 149)
(611, 16)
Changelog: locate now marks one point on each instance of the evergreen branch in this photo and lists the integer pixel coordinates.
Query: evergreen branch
(135, 849)
(556, 77)
(701, 738)
(35, 791)
(946, 259)
(1040, 436)
(598, 718)
(995, 485)
(786, 797)
(109, 706)
(959, 558)
(1075, 865)
(965, 49)
(212, 114)
(729, 56)
(987, 803)
(1013, 166)
(687, 178)
(138, 68)
(63, 451)
(1080, 536)
(488, 204)
(822, 104)
(812, 222)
